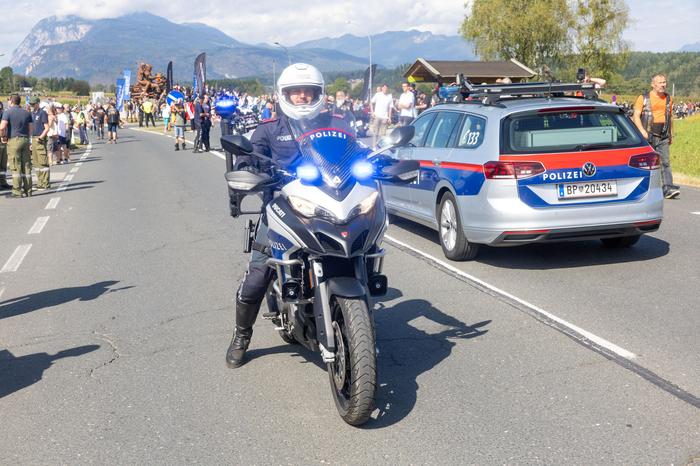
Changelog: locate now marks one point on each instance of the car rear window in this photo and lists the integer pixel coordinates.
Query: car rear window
(568, 130)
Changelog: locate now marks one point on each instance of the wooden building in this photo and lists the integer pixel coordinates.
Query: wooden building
(478, 72)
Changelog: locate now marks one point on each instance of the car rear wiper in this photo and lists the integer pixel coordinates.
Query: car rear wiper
(583, 147)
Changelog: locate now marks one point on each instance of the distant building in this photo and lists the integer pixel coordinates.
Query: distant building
(445, 72)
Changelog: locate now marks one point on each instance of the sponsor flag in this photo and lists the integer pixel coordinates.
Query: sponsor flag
(169, 77)
(200, 73)
(120, 94)
(127, 84)
(368, 79)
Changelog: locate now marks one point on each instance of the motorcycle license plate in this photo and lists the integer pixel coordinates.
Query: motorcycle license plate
(590, 189)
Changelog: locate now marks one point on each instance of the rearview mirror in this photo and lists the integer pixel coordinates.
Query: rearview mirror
(237, 145)
(400, 136)
(401, 171)
(246, 182)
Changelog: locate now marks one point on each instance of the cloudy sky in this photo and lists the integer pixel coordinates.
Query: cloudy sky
(657, 25)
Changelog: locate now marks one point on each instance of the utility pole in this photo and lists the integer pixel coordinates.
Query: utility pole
(274, 75)
(289, 59)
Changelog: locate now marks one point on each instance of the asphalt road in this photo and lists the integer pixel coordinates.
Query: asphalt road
(114, 325)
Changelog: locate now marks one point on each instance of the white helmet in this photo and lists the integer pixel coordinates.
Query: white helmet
(300, 75)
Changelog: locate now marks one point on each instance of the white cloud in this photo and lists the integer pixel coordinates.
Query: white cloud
(659, 24)
(662, 25)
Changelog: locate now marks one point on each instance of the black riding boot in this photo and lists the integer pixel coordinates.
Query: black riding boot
(245, 318)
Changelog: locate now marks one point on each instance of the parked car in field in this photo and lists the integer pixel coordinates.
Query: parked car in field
(527, 164)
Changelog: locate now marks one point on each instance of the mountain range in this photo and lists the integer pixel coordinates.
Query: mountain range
(691, 47)
(395, 48)
(97, 50)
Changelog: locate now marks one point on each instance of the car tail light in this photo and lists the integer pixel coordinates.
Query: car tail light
(647, 223)
(648, 161)
(512, 170)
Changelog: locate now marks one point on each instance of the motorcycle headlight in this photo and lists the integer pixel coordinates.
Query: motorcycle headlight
(365, 206)
(368, 203)
(311, 209)
(302, 206)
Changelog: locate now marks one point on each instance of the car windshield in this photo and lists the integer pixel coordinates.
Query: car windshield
(329, 143)
(569, 130)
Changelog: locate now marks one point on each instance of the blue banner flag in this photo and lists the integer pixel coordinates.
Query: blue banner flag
(127, 84)
(120, 94)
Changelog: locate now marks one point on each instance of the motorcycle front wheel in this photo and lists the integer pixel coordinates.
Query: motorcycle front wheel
(353, 374)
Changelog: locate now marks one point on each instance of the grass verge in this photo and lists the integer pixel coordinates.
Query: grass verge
(685, 150)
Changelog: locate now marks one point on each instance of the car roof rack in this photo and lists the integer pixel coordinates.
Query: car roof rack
(464, 91)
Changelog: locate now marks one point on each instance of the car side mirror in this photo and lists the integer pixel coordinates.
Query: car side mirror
(236, 144)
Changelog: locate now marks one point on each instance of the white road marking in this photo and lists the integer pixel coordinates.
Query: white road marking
(52, 203)
(61, 187)
(2, 291)
(68, 177)
(38, 226)
(16, 258)
(590, 336)
(695, 213)
(215, 153)
(79, 164)
(74, 169)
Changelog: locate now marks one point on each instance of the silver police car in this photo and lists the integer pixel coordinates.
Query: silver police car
(524, 163)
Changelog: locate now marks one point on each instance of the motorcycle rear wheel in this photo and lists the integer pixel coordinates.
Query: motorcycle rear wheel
(353, 375)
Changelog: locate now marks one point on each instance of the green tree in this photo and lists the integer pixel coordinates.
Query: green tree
(340, 84)
(597, 36)
(79, 87)
(7, 84)
(535, 32)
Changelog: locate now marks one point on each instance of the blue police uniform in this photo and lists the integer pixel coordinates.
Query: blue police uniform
(272, 139)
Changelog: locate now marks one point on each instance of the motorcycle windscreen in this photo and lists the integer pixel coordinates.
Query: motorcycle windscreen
(328, 143)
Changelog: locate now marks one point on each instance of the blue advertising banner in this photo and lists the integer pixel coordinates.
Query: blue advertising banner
(127, 84)
(120, 94)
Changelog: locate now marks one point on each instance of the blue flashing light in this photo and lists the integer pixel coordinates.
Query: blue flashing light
(362, 170)
(448, 92)
(308, 173)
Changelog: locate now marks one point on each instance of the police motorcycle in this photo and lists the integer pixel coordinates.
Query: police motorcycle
(227, 107)
(326, 219)
(248, 119)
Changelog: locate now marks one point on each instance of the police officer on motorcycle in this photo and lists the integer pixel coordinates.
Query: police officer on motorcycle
(300, 90)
